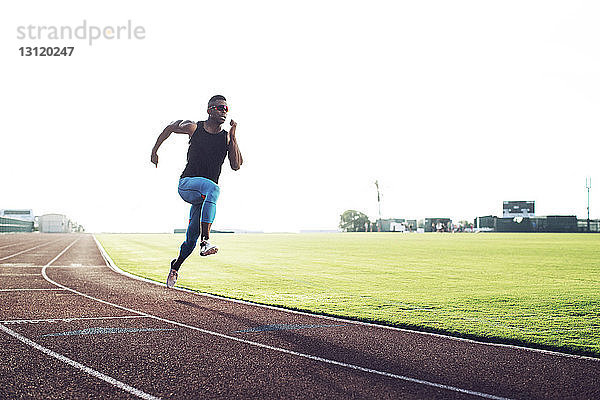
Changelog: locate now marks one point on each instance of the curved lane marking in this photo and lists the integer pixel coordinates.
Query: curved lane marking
(111, 264)
(277, 349)
(75, 364)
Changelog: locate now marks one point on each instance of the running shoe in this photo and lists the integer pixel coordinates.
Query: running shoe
(172, 278)
(206, 249)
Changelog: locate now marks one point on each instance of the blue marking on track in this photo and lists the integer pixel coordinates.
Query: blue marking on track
(284, 327)
(102, 331)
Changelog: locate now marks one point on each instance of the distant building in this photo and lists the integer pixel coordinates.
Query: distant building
(485, 223)
(55, 223)
(15, 225)
(16, 220)
(582, 225)
(23, 215)
(516, 224)
(550, 223)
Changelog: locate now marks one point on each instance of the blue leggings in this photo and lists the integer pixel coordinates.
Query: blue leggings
(202, 194)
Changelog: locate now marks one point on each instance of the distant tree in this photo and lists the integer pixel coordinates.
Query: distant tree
(353, 221)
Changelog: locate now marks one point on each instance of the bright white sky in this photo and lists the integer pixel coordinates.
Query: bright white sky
(453, 106)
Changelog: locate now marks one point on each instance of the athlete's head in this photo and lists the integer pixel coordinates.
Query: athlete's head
(217, 108)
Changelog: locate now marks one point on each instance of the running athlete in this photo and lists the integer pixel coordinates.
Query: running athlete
(198, 185)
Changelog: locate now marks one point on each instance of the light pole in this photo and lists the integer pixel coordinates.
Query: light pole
(588, 186)
(379, 206)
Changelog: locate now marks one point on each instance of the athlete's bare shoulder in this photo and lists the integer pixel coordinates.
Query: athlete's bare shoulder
(184, 126)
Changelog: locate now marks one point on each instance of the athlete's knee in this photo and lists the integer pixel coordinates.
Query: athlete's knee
(213, 194)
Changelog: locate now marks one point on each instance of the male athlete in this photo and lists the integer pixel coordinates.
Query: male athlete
(209, 144)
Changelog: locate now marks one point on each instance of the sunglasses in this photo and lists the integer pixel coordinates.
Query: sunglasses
(220, 107)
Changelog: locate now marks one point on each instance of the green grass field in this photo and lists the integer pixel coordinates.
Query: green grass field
(541, 290)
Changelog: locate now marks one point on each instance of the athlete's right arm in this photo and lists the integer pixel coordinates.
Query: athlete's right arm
(179, 126)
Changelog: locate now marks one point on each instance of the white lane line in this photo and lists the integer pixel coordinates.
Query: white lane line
(35, 321)
(9, 245)
(73, 363)
(18, 265)
(61, 253)
(111, 264)
(7, 267)
(28, 290)
(278, 349)
(23, 274)
(81, 367)
(25, 251)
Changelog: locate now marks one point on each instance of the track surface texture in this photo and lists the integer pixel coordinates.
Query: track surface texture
(71, 327)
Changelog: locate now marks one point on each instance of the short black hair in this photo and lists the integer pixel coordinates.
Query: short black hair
(217, 97)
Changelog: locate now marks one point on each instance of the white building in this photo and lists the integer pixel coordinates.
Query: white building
(54, 223)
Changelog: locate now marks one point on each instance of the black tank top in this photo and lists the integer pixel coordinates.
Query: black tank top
(206, 154)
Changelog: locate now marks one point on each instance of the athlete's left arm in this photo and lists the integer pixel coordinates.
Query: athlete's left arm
(233, 151)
